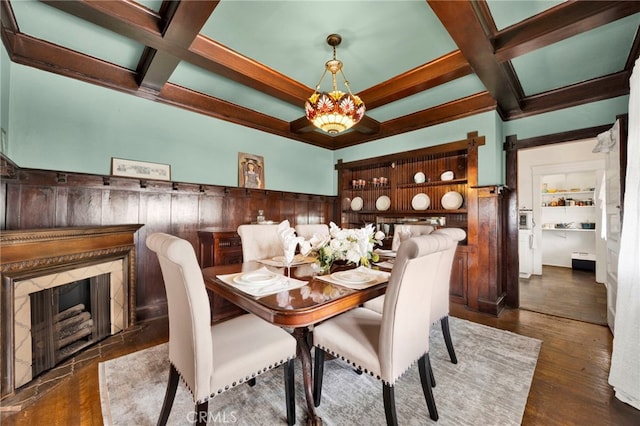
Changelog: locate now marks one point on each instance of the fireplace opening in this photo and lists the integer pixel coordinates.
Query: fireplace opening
(67, 318)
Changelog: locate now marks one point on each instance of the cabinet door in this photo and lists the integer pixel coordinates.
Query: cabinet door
(458, 282)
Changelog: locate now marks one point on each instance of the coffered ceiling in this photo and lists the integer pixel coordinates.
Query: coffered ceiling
(414, 63)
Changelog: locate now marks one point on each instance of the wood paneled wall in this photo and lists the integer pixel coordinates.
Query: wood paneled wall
(46, 199)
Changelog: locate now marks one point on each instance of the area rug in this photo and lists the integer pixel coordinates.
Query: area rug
(488, 386)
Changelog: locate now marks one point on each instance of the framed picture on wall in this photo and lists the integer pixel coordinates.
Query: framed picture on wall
(250, 171)
(140, 169)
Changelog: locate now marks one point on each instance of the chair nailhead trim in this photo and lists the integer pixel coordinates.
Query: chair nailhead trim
(240, 381)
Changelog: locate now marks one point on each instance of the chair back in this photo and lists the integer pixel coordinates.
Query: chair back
(404, 232)
(259, 242)
(190, 343)
(406, 314)
(307, 231)
(440, 304)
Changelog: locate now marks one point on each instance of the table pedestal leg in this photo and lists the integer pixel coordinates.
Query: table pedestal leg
(304, 352)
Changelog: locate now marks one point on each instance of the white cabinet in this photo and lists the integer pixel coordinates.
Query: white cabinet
(525, 252)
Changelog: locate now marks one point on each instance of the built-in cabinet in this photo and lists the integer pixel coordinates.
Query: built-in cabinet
(568, 217)
(219, 247)
(437, 185)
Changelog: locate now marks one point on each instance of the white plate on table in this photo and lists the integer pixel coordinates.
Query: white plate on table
(420, 202)
(452, 200)
(384, 252)
(352, 277)
(257, 278)
(383, 203)
(356, 204)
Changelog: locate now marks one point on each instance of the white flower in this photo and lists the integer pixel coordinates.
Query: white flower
(350, 245)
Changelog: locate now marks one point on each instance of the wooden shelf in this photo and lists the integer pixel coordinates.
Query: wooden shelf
(434, 183)
(569, 229)
(476, 278)
(427, 212)
(564, 194)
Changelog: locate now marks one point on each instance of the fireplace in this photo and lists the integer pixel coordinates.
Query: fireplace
(63, 289)
(68, 318)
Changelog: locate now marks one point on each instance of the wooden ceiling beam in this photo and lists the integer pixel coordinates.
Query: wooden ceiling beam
(141, 25)
(219, 59)
(593, 90)
(183, 24)
(559, 23)
(27, 50)
(468, 32)
(137, 23)
(439, 71)
(454, 110)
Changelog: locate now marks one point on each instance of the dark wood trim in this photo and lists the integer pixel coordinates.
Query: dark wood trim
(51, 199)
(170, 36)
(511, 146)
(466, 29)
(513, 143)
(512, 263)
(439, 71)
(594, 90)
(559, 23)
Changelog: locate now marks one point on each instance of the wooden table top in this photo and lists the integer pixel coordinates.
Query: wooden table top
(312, 303)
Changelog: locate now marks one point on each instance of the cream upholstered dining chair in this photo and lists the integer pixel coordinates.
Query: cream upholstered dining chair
(307, 231)
(404, 232)
(213, 359)
(259, 242)
(440, 304)
(386, 344)
(440, 299)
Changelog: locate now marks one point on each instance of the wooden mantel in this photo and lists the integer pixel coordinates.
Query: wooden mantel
(29, 253)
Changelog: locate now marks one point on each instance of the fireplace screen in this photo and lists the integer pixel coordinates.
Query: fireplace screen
(68, 318)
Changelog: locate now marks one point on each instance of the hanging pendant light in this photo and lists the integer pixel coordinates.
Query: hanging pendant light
(334, 111)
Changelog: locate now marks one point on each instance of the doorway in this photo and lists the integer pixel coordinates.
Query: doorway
(550, 283)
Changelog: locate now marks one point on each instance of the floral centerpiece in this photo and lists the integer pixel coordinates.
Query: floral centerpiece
(353, 246)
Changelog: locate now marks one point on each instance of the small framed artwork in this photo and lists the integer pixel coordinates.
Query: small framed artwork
(140, 169)
(250, 171)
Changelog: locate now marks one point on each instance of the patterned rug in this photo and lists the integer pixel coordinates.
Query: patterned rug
(488, 386)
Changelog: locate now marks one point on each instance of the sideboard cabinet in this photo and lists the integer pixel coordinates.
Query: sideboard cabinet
(421, 187)
(215, 248)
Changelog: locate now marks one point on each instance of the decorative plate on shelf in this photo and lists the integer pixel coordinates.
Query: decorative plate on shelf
(383, 203)
(452, 200)
(346, 203)
(419, 177)
(356, 204)
(420, 202)
(448, 175)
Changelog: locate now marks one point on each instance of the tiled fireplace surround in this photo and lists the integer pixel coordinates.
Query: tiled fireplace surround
(34, 260)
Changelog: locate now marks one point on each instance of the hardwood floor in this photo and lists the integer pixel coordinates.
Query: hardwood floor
(569, 385)
(566, 293)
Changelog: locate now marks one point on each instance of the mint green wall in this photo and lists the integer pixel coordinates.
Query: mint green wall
(5, 78)
(490, 164)
(59, 123)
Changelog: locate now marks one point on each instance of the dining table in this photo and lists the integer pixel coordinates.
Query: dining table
(312, 300)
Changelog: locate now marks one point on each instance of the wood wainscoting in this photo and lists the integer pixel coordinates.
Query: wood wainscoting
(50, 199)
